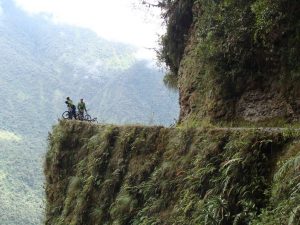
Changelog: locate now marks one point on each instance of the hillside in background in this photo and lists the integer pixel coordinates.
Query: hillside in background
(42, 63)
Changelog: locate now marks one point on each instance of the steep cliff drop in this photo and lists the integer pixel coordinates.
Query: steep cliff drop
(237, 64)
(154, 175)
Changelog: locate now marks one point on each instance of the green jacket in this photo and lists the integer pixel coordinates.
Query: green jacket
(81, 106)
(70, 103)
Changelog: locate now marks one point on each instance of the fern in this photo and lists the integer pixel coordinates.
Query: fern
(294, 216)
(291, 165)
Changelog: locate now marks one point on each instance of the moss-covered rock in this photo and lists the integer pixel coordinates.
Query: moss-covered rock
(236, 60)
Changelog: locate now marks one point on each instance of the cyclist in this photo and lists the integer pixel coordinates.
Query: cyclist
(81, 108)
(71, 108)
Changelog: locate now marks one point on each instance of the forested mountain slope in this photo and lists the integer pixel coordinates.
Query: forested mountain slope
(41, 63)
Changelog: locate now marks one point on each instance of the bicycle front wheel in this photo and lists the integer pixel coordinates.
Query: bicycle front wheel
(65, 115)
(87, 117)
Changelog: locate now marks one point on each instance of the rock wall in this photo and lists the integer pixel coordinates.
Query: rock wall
(237, 64)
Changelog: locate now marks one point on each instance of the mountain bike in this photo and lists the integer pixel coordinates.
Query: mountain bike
(86, 117)
(83, 116)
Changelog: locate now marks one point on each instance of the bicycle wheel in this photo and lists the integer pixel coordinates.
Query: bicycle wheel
(65, 115)
(87, 117)
(80, 116)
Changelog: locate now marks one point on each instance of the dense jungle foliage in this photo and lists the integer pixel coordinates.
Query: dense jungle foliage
(236, 38)
(153, 175)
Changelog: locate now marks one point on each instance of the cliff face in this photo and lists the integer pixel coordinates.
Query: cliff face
(153, 175)
(239, 61)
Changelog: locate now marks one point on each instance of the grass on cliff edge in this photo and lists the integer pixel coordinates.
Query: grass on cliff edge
(153, 175)
(206, 123)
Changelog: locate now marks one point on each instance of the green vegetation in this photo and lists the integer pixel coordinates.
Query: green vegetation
(21, 180)
(236, 38)
(41, 64)
(234, 60)
(179, 17)
(153, 175)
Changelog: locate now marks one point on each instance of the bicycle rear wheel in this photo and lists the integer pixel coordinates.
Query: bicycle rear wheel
(65, 115)
(80, 116)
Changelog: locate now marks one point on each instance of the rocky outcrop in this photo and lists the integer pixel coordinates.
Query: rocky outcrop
(233, 71)
(259, 105)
